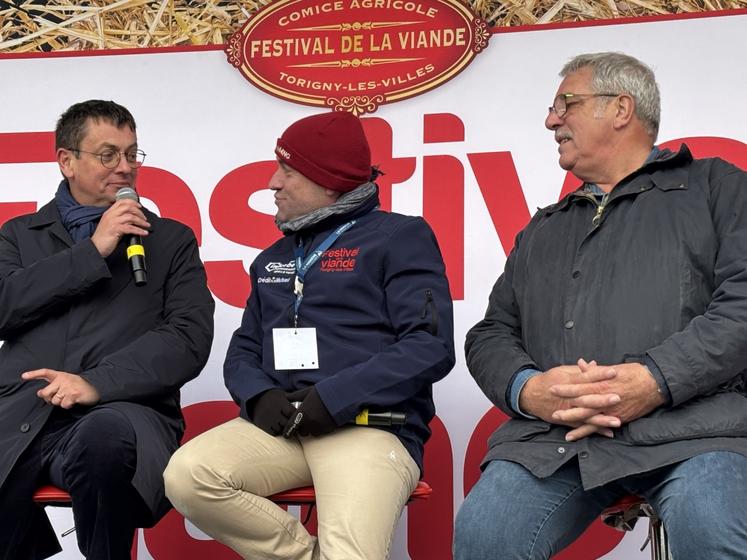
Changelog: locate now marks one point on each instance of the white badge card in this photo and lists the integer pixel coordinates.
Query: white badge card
(295, 348)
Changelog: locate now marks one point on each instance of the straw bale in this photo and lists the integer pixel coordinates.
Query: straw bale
(46, 25)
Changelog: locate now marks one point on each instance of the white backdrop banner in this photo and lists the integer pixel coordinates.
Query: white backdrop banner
(472, 156)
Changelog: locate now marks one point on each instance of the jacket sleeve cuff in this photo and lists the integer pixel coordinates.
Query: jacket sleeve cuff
(517, 384)
(655, 371)
(659, 378)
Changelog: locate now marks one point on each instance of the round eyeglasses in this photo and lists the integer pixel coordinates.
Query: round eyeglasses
(110, 158)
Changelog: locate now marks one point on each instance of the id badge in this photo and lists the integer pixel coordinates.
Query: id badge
(295, 348)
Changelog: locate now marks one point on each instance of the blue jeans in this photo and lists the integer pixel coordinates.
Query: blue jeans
(511, 514)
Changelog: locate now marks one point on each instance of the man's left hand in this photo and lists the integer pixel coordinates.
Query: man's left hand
(315, 419)
(63, 389)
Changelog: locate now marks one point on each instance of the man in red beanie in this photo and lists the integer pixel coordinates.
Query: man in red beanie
(349, 312)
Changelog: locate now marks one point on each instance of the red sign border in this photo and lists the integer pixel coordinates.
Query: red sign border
(357, 104)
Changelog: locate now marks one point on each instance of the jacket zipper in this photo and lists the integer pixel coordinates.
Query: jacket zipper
(600, 209)
(430, 305)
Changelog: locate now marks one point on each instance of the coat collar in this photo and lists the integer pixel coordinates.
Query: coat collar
(335, 220)
(667, 172)
(49, 216)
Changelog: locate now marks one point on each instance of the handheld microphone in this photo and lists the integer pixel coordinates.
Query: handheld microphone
(135, 250)
(366, 418)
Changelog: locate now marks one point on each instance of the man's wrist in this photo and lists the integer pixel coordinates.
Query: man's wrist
(517, 387)
(653, 369)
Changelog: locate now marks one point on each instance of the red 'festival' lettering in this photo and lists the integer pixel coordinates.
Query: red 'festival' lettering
(24, 147)
(443, 196)
(172, 196)
(396, 169)
(443, 209)
(10, 210)
(501, 189)
(443, 193)
(430, 522)
(235, 220)
(27, 147)
(429, 526)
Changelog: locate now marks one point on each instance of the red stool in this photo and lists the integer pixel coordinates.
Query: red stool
(49, 495)
(305, 495)
(623, 514)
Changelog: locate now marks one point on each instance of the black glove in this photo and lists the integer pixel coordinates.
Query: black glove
(312, 418)
(298, 396)
(271, 411)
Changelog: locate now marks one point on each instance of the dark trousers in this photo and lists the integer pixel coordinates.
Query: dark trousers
(92, 455)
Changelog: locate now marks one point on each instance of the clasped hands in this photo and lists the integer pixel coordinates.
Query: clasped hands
(275, 413)
(591, 398)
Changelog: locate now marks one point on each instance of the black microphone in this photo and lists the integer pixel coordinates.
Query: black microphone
(135, 249)
(366, 418)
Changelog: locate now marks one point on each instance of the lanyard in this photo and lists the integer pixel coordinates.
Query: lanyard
(303, 266)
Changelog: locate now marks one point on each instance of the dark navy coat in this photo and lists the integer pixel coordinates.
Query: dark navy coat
(380, 302)
(64, 307)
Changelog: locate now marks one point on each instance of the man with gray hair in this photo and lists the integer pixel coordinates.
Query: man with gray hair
(627, 377)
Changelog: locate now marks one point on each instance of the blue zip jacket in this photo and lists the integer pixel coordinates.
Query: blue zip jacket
(380, 302)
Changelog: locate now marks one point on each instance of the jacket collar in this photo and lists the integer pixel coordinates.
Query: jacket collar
(667, 172)
(333, 221)
(49, 216)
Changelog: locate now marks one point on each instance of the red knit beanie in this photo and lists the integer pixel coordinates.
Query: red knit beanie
(330, 149)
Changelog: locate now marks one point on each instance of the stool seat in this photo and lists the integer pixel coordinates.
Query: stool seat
(51, 495)
(623, 515)
(306, 495)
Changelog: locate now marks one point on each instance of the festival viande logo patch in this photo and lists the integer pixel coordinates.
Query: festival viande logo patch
(354, 55)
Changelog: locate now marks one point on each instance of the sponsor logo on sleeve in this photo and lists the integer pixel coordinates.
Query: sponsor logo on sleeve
(279, 273)
(281, 268)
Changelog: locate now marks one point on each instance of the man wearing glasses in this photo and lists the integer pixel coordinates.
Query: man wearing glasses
(92, 361)
(627, 376)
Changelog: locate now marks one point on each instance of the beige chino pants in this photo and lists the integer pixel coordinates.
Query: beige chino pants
(362, 478)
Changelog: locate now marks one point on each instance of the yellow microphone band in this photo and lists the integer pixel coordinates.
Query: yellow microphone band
(133, 250)
(362, 418)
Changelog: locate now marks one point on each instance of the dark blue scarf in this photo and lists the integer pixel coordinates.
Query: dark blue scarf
(79, 221)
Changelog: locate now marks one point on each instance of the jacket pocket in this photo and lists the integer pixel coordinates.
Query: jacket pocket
(514, 430)
(722, 414)
(430, 309)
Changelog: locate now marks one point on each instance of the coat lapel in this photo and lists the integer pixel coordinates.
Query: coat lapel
(48, 217)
